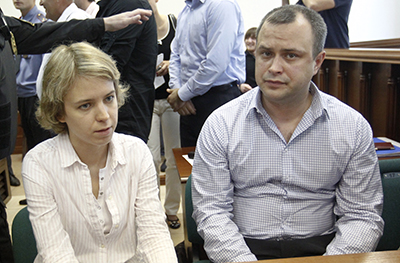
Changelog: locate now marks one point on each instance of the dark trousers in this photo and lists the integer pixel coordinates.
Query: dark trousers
(6, 252)
(272, 249)
(190, 126)
(34, 133)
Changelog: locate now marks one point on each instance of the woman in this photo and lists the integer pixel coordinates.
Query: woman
(250, 41)
(92, 193)
(165, 118)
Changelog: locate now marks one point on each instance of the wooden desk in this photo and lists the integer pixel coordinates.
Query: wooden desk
(374, 257)
(184, 168)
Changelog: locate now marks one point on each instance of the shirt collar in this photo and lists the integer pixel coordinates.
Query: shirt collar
(318, 104)
(72, 8)
(70, 157)
(193, 3)
(31, 14)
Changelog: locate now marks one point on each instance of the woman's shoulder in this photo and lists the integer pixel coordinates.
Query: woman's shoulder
(127, 141)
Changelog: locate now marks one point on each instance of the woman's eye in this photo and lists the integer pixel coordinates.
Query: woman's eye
(84, 106)
(110, 98)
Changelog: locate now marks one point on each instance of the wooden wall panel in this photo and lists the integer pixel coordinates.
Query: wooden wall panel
(367, 80)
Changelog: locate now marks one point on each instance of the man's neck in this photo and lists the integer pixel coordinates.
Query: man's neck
(287, 116)
(24, 12)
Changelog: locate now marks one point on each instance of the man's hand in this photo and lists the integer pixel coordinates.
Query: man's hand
(187, 109)
(182, 107)
(120, 21)
(245, 87)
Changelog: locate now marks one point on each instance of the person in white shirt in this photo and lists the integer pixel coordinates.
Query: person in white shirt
(59, 11)
(90, 6)
(92, 193)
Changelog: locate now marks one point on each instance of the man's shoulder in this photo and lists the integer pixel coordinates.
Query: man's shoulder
(237, 107)
(116, 7)
(338, 109)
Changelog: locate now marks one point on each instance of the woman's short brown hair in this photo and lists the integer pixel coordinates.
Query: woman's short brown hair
(66, 64)
(251, 32)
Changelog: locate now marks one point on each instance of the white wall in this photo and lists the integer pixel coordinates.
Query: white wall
(374, 20)
(369, 19)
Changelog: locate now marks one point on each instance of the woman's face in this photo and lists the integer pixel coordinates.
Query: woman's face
(250, 43)
(91, 112)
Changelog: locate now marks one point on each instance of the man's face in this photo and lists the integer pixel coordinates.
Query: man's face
(52, 9)
(24, 5)
(285, 62)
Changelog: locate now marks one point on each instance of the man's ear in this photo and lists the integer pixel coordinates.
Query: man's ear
(318, 61)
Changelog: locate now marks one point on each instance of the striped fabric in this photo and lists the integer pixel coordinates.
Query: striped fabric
(125, 224)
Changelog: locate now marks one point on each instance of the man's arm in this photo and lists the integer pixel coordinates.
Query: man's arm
(319, 5)
(359, 200)
(120, 21)
(40, 38)
(212, 193)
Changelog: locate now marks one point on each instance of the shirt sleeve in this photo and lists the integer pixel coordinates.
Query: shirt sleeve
(40, 38)
(222, 29)
(154, 241)
(212, 191)
(359, 199)
(174, 66)
(53, 242)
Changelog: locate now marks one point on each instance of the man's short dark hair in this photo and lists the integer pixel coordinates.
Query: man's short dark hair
(288, 13)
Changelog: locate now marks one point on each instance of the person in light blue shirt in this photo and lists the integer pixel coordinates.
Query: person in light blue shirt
(286, 170)
(26, 80)
(207, 62)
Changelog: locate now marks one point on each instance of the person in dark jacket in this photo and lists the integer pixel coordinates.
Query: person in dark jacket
(135, 50)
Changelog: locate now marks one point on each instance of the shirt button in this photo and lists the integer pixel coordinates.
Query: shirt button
(116, 226)
(99, 207)
(102, 246)
(101, 222)
(101, 193)
(110, 197)
(102, 178)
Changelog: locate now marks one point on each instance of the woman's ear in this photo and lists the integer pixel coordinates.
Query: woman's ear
(61, 118)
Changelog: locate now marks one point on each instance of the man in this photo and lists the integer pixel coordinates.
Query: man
(135, 50)
(207, 62)
(26, 86)
(286, 170)
(60, 11)
(89, 6)
(31, 38)
(336, 15)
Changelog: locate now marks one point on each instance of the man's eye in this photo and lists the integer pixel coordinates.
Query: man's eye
(291, 55)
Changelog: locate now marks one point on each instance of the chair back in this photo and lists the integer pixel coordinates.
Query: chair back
(24, 243)
(390, 175)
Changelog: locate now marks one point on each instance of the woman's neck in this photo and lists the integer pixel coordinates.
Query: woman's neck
(162, 25)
